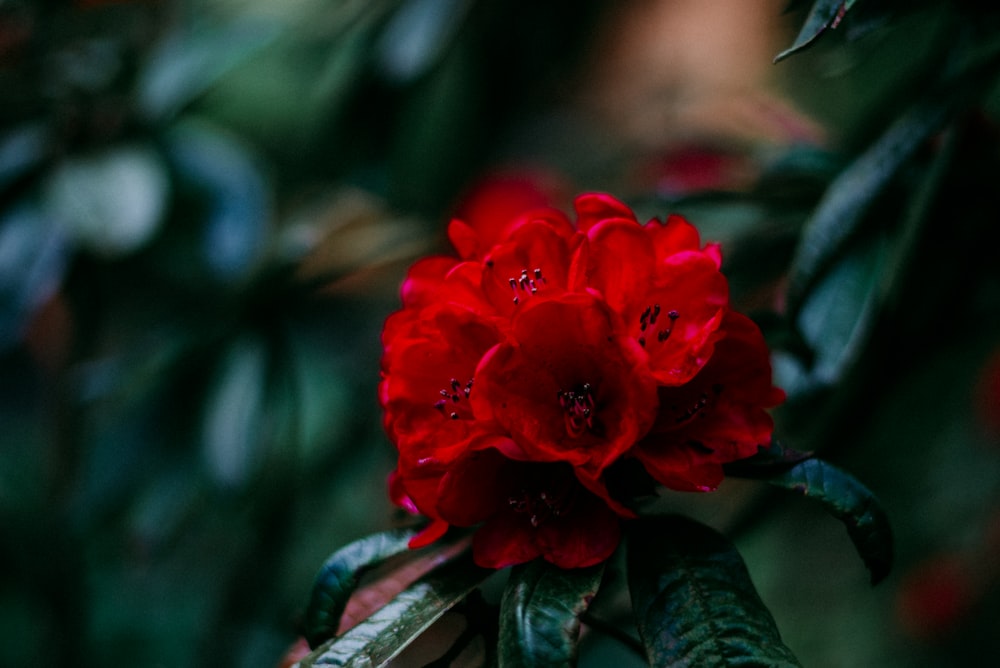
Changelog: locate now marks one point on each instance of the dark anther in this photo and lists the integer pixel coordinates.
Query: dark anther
(454, 416)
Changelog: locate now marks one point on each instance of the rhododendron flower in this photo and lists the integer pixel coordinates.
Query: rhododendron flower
(518, 373)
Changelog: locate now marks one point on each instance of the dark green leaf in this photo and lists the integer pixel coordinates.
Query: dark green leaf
(850, 502)
(540, 613)
(767, 462)
(849, 197)
(842, 209)
(824, 14)
(693, 599)
(339, 576)
(837, 318)
(378, 639)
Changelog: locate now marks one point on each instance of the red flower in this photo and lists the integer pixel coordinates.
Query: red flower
(527, 510)
(516, 375)
(716, 418)
(568, 385)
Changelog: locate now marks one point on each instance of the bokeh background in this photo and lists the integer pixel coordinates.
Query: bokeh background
(206, 209)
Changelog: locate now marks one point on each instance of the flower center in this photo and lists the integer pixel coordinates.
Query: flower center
(542, 505)
(578, 409)
(650, 323)
(526, 284)
(686, 413)
(452, 400)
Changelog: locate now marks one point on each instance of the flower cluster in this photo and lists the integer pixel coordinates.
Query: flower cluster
(521, 377)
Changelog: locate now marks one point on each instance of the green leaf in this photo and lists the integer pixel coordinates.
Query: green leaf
(849, 197)
(768, 462)
(837, 318)
(540, 613)
(824, 14)
(375, 641)
(339, 576)
(693, 599)
(849, 501)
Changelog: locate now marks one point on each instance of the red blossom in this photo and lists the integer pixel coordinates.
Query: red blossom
(568, 385)
(518, 374)
(527, 510)
(716, 418)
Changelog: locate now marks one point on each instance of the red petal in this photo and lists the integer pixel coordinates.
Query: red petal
(475, 489)
(465, 240)
(431, 533)
(592, 208)
(533, 264)
(586, 536)
(506, 540)
(673, 236)
(619, 263)
(559, 345)
(680, 467)
(424, 278)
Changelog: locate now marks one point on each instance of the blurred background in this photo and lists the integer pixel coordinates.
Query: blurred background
(207, 207)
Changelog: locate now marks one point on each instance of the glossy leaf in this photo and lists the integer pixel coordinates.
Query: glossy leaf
(823, 15)
(339, 576)
(375, 641)
(693, 599)
(837, 318)
(769, 461)
(842, 209)
(540, 613)
(849, 501)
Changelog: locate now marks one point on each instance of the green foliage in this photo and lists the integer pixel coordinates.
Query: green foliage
(823, 15)
(540, 613)
(849, 501)
(693, 600)
(388, 631)
(840, 494)
(339, 576)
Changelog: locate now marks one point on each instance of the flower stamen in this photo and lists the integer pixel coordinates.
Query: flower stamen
(454, 393)
(648, 321)
(542, 505)
(578, 409)
(525, 283)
